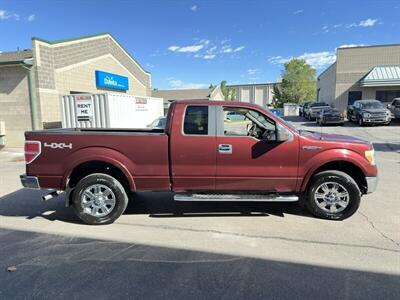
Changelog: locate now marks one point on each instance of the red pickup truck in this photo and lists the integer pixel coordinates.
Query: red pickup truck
(202, 155)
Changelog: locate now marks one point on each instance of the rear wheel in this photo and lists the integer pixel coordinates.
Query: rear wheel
(99, 199)
(333, 195)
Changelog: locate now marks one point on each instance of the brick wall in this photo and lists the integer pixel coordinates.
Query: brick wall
(14, 104)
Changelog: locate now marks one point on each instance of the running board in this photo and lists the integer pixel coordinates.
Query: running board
(236, 197)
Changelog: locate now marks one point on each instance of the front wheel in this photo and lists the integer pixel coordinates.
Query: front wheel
(360, 121)
(333, 195)
(99, 199)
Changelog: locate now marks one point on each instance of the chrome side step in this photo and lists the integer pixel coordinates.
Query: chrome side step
(236, 197)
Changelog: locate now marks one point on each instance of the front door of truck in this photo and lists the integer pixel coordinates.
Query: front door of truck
(248, 161)
(193, 148)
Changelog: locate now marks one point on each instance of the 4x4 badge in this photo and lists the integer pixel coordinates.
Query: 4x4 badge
(58, 145)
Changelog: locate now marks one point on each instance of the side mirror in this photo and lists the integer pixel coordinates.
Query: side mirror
(389, 106)
(283, 136)
(351, 106)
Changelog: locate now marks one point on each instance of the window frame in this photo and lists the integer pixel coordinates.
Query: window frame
(211, 127)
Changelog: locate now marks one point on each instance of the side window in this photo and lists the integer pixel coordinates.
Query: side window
(196, 120)
(246, 122)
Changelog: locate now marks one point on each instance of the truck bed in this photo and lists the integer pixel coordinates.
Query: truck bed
(141, 153)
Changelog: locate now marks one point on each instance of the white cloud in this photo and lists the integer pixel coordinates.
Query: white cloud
(368, 22)
(173, 48)
(5, 15)
(186, 49)
(363, 23)
(351, 45)
(193, 8)
(209, 56)
(298, 11)
(238, 49)
(31, 18)
(252, 72)
(181, 85)
(226, 49)
(190, 49)
(316, 59)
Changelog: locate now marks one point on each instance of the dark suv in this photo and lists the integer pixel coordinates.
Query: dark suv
(368, 112)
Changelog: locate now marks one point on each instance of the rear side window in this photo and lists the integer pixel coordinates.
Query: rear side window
(196, 120)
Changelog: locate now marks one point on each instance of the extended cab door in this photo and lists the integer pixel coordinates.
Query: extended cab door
(193, 148)
(248, 162)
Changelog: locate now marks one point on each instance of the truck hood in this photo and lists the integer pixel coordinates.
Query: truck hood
(338, 138)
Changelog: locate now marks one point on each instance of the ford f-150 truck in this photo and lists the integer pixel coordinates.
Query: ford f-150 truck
(201, 155)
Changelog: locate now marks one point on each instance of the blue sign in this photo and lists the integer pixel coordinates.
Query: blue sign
(111, 81)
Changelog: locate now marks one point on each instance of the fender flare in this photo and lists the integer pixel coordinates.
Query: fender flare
(106, 155)
(335, 155)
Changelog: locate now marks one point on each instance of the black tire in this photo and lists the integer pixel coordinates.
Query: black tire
(121, 198)
(360, 121)
(338, 177)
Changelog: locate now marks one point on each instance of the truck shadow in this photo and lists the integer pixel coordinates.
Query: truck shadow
(28, 204)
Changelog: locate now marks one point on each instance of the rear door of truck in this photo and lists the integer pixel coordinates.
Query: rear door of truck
(193, 147)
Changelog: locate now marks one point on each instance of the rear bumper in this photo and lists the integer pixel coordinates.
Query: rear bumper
(372, 183)
(31, 182)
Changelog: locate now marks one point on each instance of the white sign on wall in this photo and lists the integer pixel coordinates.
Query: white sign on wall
(84, 107)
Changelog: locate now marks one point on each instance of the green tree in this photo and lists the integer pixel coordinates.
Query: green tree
(298, 83)
(229, 94)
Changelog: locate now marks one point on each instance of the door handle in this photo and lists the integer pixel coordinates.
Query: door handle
(225, 148)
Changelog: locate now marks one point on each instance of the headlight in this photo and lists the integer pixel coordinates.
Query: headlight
(366, 115)
(370, 156)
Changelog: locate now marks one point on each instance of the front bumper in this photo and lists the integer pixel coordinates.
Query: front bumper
(377, 120)
(31, 182)
(372, 183)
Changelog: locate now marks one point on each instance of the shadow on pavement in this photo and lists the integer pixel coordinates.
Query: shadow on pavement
(67, 267)
(27, 203)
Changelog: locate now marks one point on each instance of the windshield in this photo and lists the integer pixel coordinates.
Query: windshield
(372, 104)
(316, 104)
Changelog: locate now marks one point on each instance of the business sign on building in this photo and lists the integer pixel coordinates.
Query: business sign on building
(84, 107)
(111, 81)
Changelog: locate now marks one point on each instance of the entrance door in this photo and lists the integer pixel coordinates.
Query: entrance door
(248, 161)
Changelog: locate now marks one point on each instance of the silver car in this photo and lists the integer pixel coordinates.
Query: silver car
(394, 108)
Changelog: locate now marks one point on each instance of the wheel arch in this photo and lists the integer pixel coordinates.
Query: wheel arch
(346, 166)
(99, 160)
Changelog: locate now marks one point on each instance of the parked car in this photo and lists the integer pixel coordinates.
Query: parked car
(160, 123)
(314, 109)
(234, 116)
(368, 112)
(198, 159)
(394, 108)
(303, 107)
(330, 116)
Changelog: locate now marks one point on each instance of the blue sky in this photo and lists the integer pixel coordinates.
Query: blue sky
(190, 44)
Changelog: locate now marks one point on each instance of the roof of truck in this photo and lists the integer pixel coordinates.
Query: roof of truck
(212, 102)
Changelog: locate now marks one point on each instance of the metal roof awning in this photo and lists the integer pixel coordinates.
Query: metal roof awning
(382, 76)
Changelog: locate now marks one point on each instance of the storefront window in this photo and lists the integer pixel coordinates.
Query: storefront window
(387, 96)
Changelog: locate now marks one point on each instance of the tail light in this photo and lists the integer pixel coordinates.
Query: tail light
(32, 150)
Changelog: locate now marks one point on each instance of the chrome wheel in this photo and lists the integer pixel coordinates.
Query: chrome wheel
(98, 200)
(331, 197)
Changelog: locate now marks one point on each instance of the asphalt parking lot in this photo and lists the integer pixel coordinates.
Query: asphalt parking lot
(163, 249)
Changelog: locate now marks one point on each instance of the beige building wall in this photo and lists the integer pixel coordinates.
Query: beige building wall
(63, 67)
(14, 103)
(354, 63)
(326, 85)
(261, 94)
